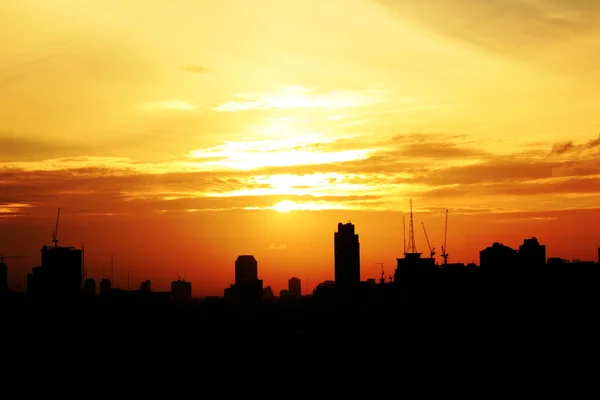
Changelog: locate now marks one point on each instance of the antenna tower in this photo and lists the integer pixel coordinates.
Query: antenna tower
(112, 269)
(382, 279)
(412, 247)
(404, 231)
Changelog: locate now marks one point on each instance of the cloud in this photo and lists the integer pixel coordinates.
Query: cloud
(167, 105)
(569, 147)
(12, 209)
(298, 97)
(275, 246)
(383, 178)
(196, 69)
(497, 26)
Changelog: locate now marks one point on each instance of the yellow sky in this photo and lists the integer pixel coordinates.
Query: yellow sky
(137, 109)
(457, 103)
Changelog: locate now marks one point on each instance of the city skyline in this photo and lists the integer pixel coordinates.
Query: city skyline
(179, 135)
(122, 279)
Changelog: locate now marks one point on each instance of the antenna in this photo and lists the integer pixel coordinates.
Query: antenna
(83, 270)
(112, 269)
(184, 274)
(412, 247)
(404, 231)
(382, 279)
(55, 234)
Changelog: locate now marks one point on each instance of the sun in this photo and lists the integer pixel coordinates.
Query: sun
(285, 206)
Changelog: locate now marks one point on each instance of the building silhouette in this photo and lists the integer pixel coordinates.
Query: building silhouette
(247, 287)
(346, 259)
(498, 256)
(295, 287)
(89, 287)
(181, 291)
(246, 270)
(59, 275)
(3, 278)
(268, 293)
(532, 253)
(105, 287)
(146, 286)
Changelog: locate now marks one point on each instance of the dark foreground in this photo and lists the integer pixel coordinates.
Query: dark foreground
(199, 352)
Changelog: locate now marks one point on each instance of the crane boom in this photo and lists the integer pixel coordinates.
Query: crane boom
(431, 249)
(444, 248)
(55, 234)
(2, 257)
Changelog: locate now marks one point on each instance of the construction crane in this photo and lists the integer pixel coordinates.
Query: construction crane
(444, 248)
(431, 249)
(55, 234)
(382, 279)
(2, 257)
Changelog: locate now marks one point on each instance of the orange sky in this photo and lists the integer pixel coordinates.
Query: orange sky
(177, 135)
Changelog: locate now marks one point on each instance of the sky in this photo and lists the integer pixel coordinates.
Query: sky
(177, 135)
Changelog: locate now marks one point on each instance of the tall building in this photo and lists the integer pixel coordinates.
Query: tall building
(3, 277)
(246, 270)
(247, 287)
(181, 291)
(532, 253)
(89, 287)
(105, 287)
(346, 257)
(498, 256)
(295, 287)
(146, 286)
(60, 274)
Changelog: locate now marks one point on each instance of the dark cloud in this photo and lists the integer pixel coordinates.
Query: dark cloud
(26, 147)
(570, 147)
(98, 190)
(543, 189)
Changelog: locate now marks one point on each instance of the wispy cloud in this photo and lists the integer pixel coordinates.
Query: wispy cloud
(301, 97)
(167, 105)
(569, 147)
(308, 173)
(276, 246)
(249, 155)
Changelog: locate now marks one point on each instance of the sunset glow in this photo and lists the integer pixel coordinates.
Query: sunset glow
(205, 130)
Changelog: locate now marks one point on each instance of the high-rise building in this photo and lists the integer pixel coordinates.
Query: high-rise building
(532, 253)
(346, 258)
(60, 274)
(105, 287)
(146, 286)
(295, 287)
(181, 291)
(89, 287)
(246, 269)
(247, 287)
(3, 277)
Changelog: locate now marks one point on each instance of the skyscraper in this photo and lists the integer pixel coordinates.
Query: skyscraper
(347, 258)
(295, 287)
(246, 270)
